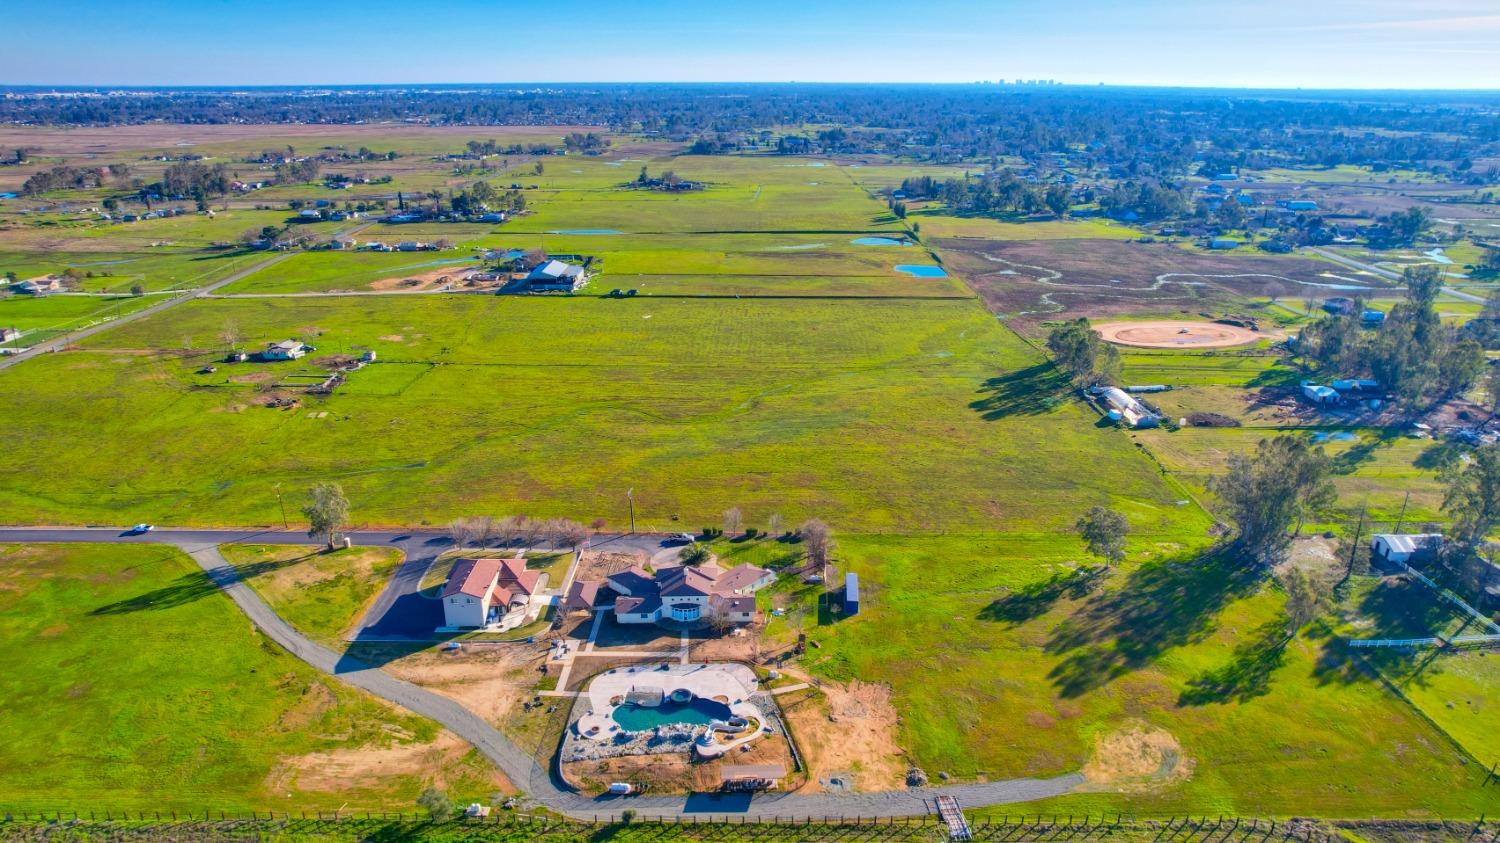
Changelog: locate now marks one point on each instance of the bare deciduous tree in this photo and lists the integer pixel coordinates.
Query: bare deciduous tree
(570, 533)
(773, 524)
(733, 521)
(817, 539)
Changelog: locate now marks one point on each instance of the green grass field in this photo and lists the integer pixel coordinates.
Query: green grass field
(134, 684)
(1005, 660)
(769, 364)
(119, 271)
(42, 317)
(896, 416)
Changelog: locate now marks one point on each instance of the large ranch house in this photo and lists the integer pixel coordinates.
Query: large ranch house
(492, 594)
(681, 595)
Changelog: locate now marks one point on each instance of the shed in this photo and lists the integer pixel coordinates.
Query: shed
(1223, 243)
(1373, 317)
(851, 593)
(1319, 394)
(1406, 547)
(1301, 205)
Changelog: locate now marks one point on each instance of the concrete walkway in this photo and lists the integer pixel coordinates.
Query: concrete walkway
(519, 766)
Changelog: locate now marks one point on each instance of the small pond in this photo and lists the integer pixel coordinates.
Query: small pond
(921, 270)
(699, 712)
(879, 241)
(1334, 436)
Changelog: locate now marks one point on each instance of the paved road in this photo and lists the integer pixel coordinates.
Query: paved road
(68, 339)
(517, 764)
(1390, 274)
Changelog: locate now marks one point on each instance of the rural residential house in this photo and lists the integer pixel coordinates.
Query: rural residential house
(8, 334)
(688, 595)
(491, 594)
(557, 276)
(285, 350)
(38, 286)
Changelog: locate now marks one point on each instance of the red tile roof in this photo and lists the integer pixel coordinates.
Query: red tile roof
(471, 577)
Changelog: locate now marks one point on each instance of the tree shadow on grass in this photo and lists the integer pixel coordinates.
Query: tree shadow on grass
(191, 587)
(1396, 608)
(1160, 606)
(1248, 673)
(1349, 461)
(1027, 392)
(1036, 599)
(1277, 377)
(1440, 455)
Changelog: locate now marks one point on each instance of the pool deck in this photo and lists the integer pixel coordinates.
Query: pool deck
(735, 683)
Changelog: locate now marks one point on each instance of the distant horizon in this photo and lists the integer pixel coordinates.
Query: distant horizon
(1334, 45)
(1030, 84)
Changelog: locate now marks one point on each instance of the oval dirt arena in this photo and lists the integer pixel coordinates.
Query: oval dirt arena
(1167, 333)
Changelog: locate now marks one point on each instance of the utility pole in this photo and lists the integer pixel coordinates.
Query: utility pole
(1400, 519)
(630, 495)
(285, 525)
(1354, 547)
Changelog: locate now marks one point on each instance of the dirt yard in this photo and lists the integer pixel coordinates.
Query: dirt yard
(599, 564)
(488, 680)
(1137, 757)
(419, 282)
(677, 772)
(342, 769)
(849, 730)
(1047, 279)
(1172, 333)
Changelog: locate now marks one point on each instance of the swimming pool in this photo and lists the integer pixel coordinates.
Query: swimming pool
(699, 712)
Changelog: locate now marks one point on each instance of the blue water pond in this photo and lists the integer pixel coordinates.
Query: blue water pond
(921, 270)
(879, 241)
(1334, 436)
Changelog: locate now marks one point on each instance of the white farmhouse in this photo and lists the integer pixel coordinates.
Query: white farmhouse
(285, 350)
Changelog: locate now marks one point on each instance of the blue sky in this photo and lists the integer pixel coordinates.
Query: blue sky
(1270, 43)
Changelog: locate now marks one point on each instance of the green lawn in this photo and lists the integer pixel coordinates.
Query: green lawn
(323, 594)
(133, 683)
